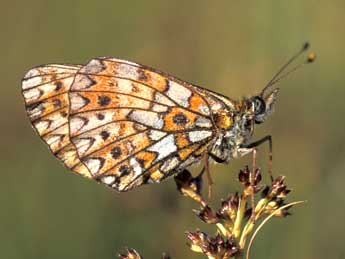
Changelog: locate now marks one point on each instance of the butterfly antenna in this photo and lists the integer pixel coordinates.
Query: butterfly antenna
(278, 76)
(310, 59)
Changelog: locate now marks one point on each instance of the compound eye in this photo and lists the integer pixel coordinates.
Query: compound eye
(259, 105)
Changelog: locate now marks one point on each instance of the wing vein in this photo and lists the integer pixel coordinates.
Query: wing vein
(119, 93)
(111, 143)
(49, 113)
(58, 127)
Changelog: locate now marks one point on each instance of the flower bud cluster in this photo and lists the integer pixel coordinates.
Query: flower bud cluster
(250, 181)
(130, 254)
(237, 216)
(213, 247)
(190, 186)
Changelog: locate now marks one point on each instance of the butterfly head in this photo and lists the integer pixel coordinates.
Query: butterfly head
(262, 106)
(253, 110)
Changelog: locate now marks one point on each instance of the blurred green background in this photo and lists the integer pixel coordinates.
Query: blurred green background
(232, 47)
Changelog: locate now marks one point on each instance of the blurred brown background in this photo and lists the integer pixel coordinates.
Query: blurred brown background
(232, 47)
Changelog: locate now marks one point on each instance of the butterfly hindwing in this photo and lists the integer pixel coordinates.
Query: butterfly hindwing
(45, 90)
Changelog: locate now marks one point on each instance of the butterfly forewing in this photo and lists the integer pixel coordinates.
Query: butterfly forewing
(132, 125)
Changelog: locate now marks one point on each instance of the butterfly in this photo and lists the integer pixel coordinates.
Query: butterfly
(126, 124)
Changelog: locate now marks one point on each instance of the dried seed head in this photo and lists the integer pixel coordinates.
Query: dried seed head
(190, 186)
(278, 188)
(130, 254)
(207, 215)
(250, 180)
(213, 247)
(229, 207)
(197, 240)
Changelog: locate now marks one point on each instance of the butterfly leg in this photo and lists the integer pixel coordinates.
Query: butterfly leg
(252, 179)
(209, 177)
(257, 143)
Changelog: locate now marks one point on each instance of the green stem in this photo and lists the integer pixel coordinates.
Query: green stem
(245, 233)
(223, 230)
(239, 217)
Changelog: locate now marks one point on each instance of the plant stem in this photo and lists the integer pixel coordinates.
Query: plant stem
(239, 217)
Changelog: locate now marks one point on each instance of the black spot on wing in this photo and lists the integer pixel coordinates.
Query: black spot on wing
(100, 116)
(124, 170)
(33, 106)
(141, 162)
(180, 119)
(104, 134)
(63, 114)
(116, 152)
(141, 75)
(58, 85)
(57, 103)
(167, 85)
(135, 89)
(103, 100)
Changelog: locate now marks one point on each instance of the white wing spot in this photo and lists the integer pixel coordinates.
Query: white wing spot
(204, 109)
(179, 93)
(77, 101)
(31, 73)
(83, 145)
(148, 118)
(31, 82)
(93, 164)
(155, 134)
(32, 94)
(159, 98)
(127, 71)
(108, 179)
(196, 136)
(53, 139)
(159, 108)
(93, 67)
(136, 167)
(42, 125)
(164, 147)
(203, 122)
(169, 164)
(81, 82)
(76, 124)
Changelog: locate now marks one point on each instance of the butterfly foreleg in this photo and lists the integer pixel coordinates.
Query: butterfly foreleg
(208, 174)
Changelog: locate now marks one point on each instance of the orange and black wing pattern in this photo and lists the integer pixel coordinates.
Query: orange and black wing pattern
(119, 122)
(45, 90)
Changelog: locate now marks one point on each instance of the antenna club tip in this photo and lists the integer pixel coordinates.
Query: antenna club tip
(306, 46)
(311, 57)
